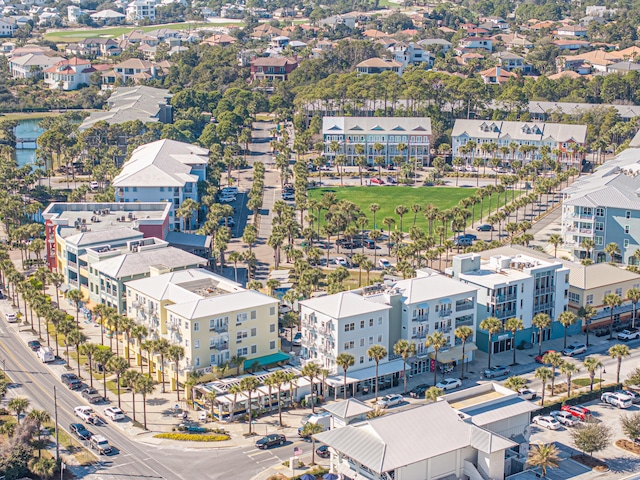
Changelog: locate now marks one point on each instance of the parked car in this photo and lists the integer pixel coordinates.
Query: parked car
(80, 431)
(539, 358)
(71, 380)
(575, 349)
(635, 396)
(484, 228)
(546, 421)
(369, 243)
(92, 395)
(85, 414)
(297, 338)
(497, 371)
(323, 451)
(619, 400)
(94, 185)
(228, 221)
(470, 236)
(462, 242)
(629, 334)
(384, 263)
(271, 440)
(341, 262)
(528, 394)
(565, 418)
(377, 181)
(100, 444)
(34, 345)
(11, 317)
(46, 355)
(578, 411)
(449, 384)
(114, 413)
(418, 391)
(230, 189)
(390, 400)
(227, 199)
(391, 180)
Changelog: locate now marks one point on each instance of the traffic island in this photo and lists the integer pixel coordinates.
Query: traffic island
(593, 463)
(628, 446)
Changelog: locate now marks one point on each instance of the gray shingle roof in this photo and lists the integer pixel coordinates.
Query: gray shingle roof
(518, 130)
(138, 263)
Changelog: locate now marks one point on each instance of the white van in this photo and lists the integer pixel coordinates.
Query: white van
(45, 354)
(323, 419)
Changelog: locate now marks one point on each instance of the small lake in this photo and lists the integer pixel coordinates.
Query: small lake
(27, 129)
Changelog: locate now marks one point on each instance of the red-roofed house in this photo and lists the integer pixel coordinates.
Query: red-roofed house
(496, 76)
(69, 74)
(272, 68)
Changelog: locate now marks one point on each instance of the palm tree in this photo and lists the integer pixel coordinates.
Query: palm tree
(102, 356)
(76, 296)
(588, 245)
(587, 312)
(543, 374)
(39, 417)
(76, 338)
(279, 378)
(344, 361)
(175, 354)
(377, 353)
(515, 383)
(612, 249)
(556, 361)
(541, 321)
(373, 208)
(161, 347)
(309, 430)
(544, 456)
(18, 405)
(633, 295)
(64, 328)
(139, 332)
(432, 394)
(311, 371)
(117, 365)
(235, 257)
(144, 386)
(555, 240)
(250, 385)
(612, 301)
(401, 210)
(464, 333)
(567, 319)
(591, 364)
(211, 398)
(618, 352)
(238, 361)
(187, 210)
(147, 346)
(405, 349)
(44, 468)
(569, 369)
(513, 325)
(235, 390)
(493, 326)
(437, 341)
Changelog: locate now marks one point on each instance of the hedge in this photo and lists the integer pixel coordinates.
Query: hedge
(193, 437)
(579, 399)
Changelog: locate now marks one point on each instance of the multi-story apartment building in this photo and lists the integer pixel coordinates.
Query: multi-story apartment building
(387, 137)
(604, 208)
(515, 286)
(563, 141)
(212, 318)
(163, 171)
(141, 9)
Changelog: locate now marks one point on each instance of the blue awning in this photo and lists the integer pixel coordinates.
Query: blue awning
(267, 360)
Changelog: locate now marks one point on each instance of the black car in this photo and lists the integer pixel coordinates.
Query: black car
(80, 431)
(71, 380)
(271, 440)
(418, 392)
(34, 345)
(323, 451)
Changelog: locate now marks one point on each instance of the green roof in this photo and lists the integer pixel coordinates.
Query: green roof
(267, 360)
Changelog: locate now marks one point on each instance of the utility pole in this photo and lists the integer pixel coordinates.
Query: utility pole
(55, 414)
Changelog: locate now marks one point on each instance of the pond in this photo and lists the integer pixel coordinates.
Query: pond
(27, 129)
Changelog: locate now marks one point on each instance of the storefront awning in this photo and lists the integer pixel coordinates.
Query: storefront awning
(454, 354)
(388, 368)
(267, 360)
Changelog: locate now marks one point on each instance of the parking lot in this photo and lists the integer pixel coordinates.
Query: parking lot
(620, 462)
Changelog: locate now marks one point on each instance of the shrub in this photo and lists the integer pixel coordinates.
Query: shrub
(193, 437)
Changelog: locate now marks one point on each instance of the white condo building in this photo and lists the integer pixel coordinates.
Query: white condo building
(163, 171)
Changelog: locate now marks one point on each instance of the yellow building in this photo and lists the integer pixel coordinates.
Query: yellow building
(215, 320)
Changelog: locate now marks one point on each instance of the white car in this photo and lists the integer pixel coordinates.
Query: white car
(575, 349)
(94, 185)
(230, 190)
(547, 421)
(390, 400)
(629, 334)
(565, 418)
(341, 262)
(282, 309)
(114, 413)
(297, 339)
(528, 394)
(449, 384)
(619, 400)
(384, 263)
(86, 414)
(227, 199)
(11, 317)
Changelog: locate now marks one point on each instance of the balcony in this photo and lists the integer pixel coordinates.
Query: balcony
(543, 290)
(505, 314)
(583, 216)
(220, 347)
(420, 335)
(443, 330)
(586, 231)
(219, 328)
(421, 318)
(460, 307)
(444, 313)
(504, 298)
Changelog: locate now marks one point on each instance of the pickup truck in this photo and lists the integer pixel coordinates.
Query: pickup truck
(92, 395)
(528, 394)
(71, 380)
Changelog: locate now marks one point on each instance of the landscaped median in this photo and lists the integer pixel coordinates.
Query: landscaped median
(197, 434)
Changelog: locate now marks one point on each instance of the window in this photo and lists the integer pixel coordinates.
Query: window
(254, 331)
(599, 226)
(362, 342)
(272, 328)
(242, 352)
(361, 323)
(371, 340)
(619, 292)
(627, 214)
(599, 240)
(599, 212)
(197, 361)
(212, 359)
(196, 326)
(272, 345)
(242, 334)
(626, 229)
(241, 317)
(253, 314)
(379, 320)
(196, 344)
(380, 338)
(574, 297)
(349, 327)
(254, 349)
(349, 345)
(589, 299)
(272, 311)
(371, 322)
(361, 359)
(626, 243)
(135, 189)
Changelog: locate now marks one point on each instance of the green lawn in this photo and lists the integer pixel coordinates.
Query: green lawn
(65, 36)
(390, 197)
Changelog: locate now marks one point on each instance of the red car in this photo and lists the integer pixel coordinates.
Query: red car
(578, 411)
(377, 181)
(539, 357)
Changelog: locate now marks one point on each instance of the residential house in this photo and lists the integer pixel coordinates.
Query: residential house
(221, 39)
(272, 68)
(510, 62)
(495, 22)
(31, 64)
(570, 44)
(108, 17)
(514, 286)
(436, 44)
(265, 30)
(8, 26)
(211, 317)
(497, 75)
(336, 20)
(542, 110)
(69, 74)
(623, 67)
(94, 48)
(411, 54)
(141, 10)
(378, 65)
(563, 139)
(515, 40)
(163, 171)
(408, 137)
(474, 43)
(572, 31)
(133, 69)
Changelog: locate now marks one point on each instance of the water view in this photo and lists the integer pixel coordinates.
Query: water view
(27, 129)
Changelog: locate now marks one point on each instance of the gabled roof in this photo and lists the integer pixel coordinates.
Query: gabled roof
(343, 305)
(351, 407)
(206, 307)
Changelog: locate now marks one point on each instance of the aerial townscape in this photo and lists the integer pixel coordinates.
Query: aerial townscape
(365, 240)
